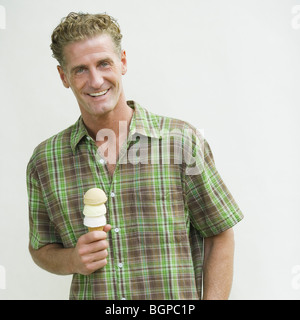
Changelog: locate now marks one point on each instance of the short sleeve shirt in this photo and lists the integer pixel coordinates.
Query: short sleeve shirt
(164, 198)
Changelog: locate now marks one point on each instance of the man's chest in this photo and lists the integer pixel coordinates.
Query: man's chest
(140, 195)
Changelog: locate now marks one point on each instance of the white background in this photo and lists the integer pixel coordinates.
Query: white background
(230, 67)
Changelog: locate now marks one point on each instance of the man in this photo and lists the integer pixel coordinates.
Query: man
(170, 215)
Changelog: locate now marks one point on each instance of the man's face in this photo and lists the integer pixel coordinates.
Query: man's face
(93, 69)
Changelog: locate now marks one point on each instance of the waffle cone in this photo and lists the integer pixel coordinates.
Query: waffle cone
(96, 228)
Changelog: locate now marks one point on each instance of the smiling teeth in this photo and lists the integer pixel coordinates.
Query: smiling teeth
(98, 93)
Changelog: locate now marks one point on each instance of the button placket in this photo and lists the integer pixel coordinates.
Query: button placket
(119, 264)
(110, 185)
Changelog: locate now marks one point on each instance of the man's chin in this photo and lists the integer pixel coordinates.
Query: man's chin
(101, 110)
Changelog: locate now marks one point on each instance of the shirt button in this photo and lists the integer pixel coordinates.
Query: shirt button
(120, 265)
(112, 195)
(117, 230)
(101, 161)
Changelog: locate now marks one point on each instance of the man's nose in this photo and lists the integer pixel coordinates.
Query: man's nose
(96, 79)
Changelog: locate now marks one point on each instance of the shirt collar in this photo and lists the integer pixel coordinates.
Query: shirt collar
(143, 122)
(79, 131)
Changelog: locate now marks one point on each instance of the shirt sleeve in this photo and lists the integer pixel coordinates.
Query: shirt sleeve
(41, 229)
(211, 206)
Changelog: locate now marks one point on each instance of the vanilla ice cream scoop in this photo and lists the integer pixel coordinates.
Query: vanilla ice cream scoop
(94, 209)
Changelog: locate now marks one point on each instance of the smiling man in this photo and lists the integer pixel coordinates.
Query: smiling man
(170, 220)
(94, 71)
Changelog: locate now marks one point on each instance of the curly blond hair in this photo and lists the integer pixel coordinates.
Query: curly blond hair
(81, 26)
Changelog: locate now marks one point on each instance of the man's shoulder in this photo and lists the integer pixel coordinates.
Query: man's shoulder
(167, 123)
(56, 144)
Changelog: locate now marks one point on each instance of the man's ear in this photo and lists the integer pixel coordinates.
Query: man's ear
(63, 77)
(124, 62)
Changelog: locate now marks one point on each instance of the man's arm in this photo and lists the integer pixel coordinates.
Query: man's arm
(218, 266)
(88, 256)
(53, 258)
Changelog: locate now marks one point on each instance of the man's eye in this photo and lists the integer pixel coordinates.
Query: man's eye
(80, 70)
(104, 64)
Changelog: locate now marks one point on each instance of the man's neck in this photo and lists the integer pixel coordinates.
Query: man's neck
(111, 121)
(110, 132)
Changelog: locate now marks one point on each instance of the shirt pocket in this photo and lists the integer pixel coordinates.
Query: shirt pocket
(162, 211)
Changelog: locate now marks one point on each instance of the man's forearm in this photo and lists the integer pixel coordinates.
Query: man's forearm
(87, 256)
(53, 258)
(218, 266)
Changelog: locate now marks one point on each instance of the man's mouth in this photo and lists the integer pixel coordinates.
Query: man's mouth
(98, 94)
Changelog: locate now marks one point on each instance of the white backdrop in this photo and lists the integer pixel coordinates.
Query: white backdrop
(230, 67)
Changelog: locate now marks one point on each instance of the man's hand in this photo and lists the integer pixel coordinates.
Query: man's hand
(88, 256)
(90, 252)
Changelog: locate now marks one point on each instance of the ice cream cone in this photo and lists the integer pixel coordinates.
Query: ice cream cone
(94, 209)
(96, 228)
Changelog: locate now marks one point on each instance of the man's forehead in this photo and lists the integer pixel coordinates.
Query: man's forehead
(95, 47)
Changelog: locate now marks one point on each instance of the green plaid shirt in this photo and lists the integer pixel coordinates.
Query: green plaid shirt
(165, 196)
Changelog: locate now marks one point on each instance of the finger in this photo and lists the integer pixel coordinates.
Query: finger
(97, 246)
(87, 238)
(107, 228)
(88, 258)
(93, 266)
(98, 256)
(94, 236)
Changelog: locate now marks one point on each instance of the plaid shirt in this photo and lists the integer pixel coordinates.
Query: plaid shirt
(165, 196)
